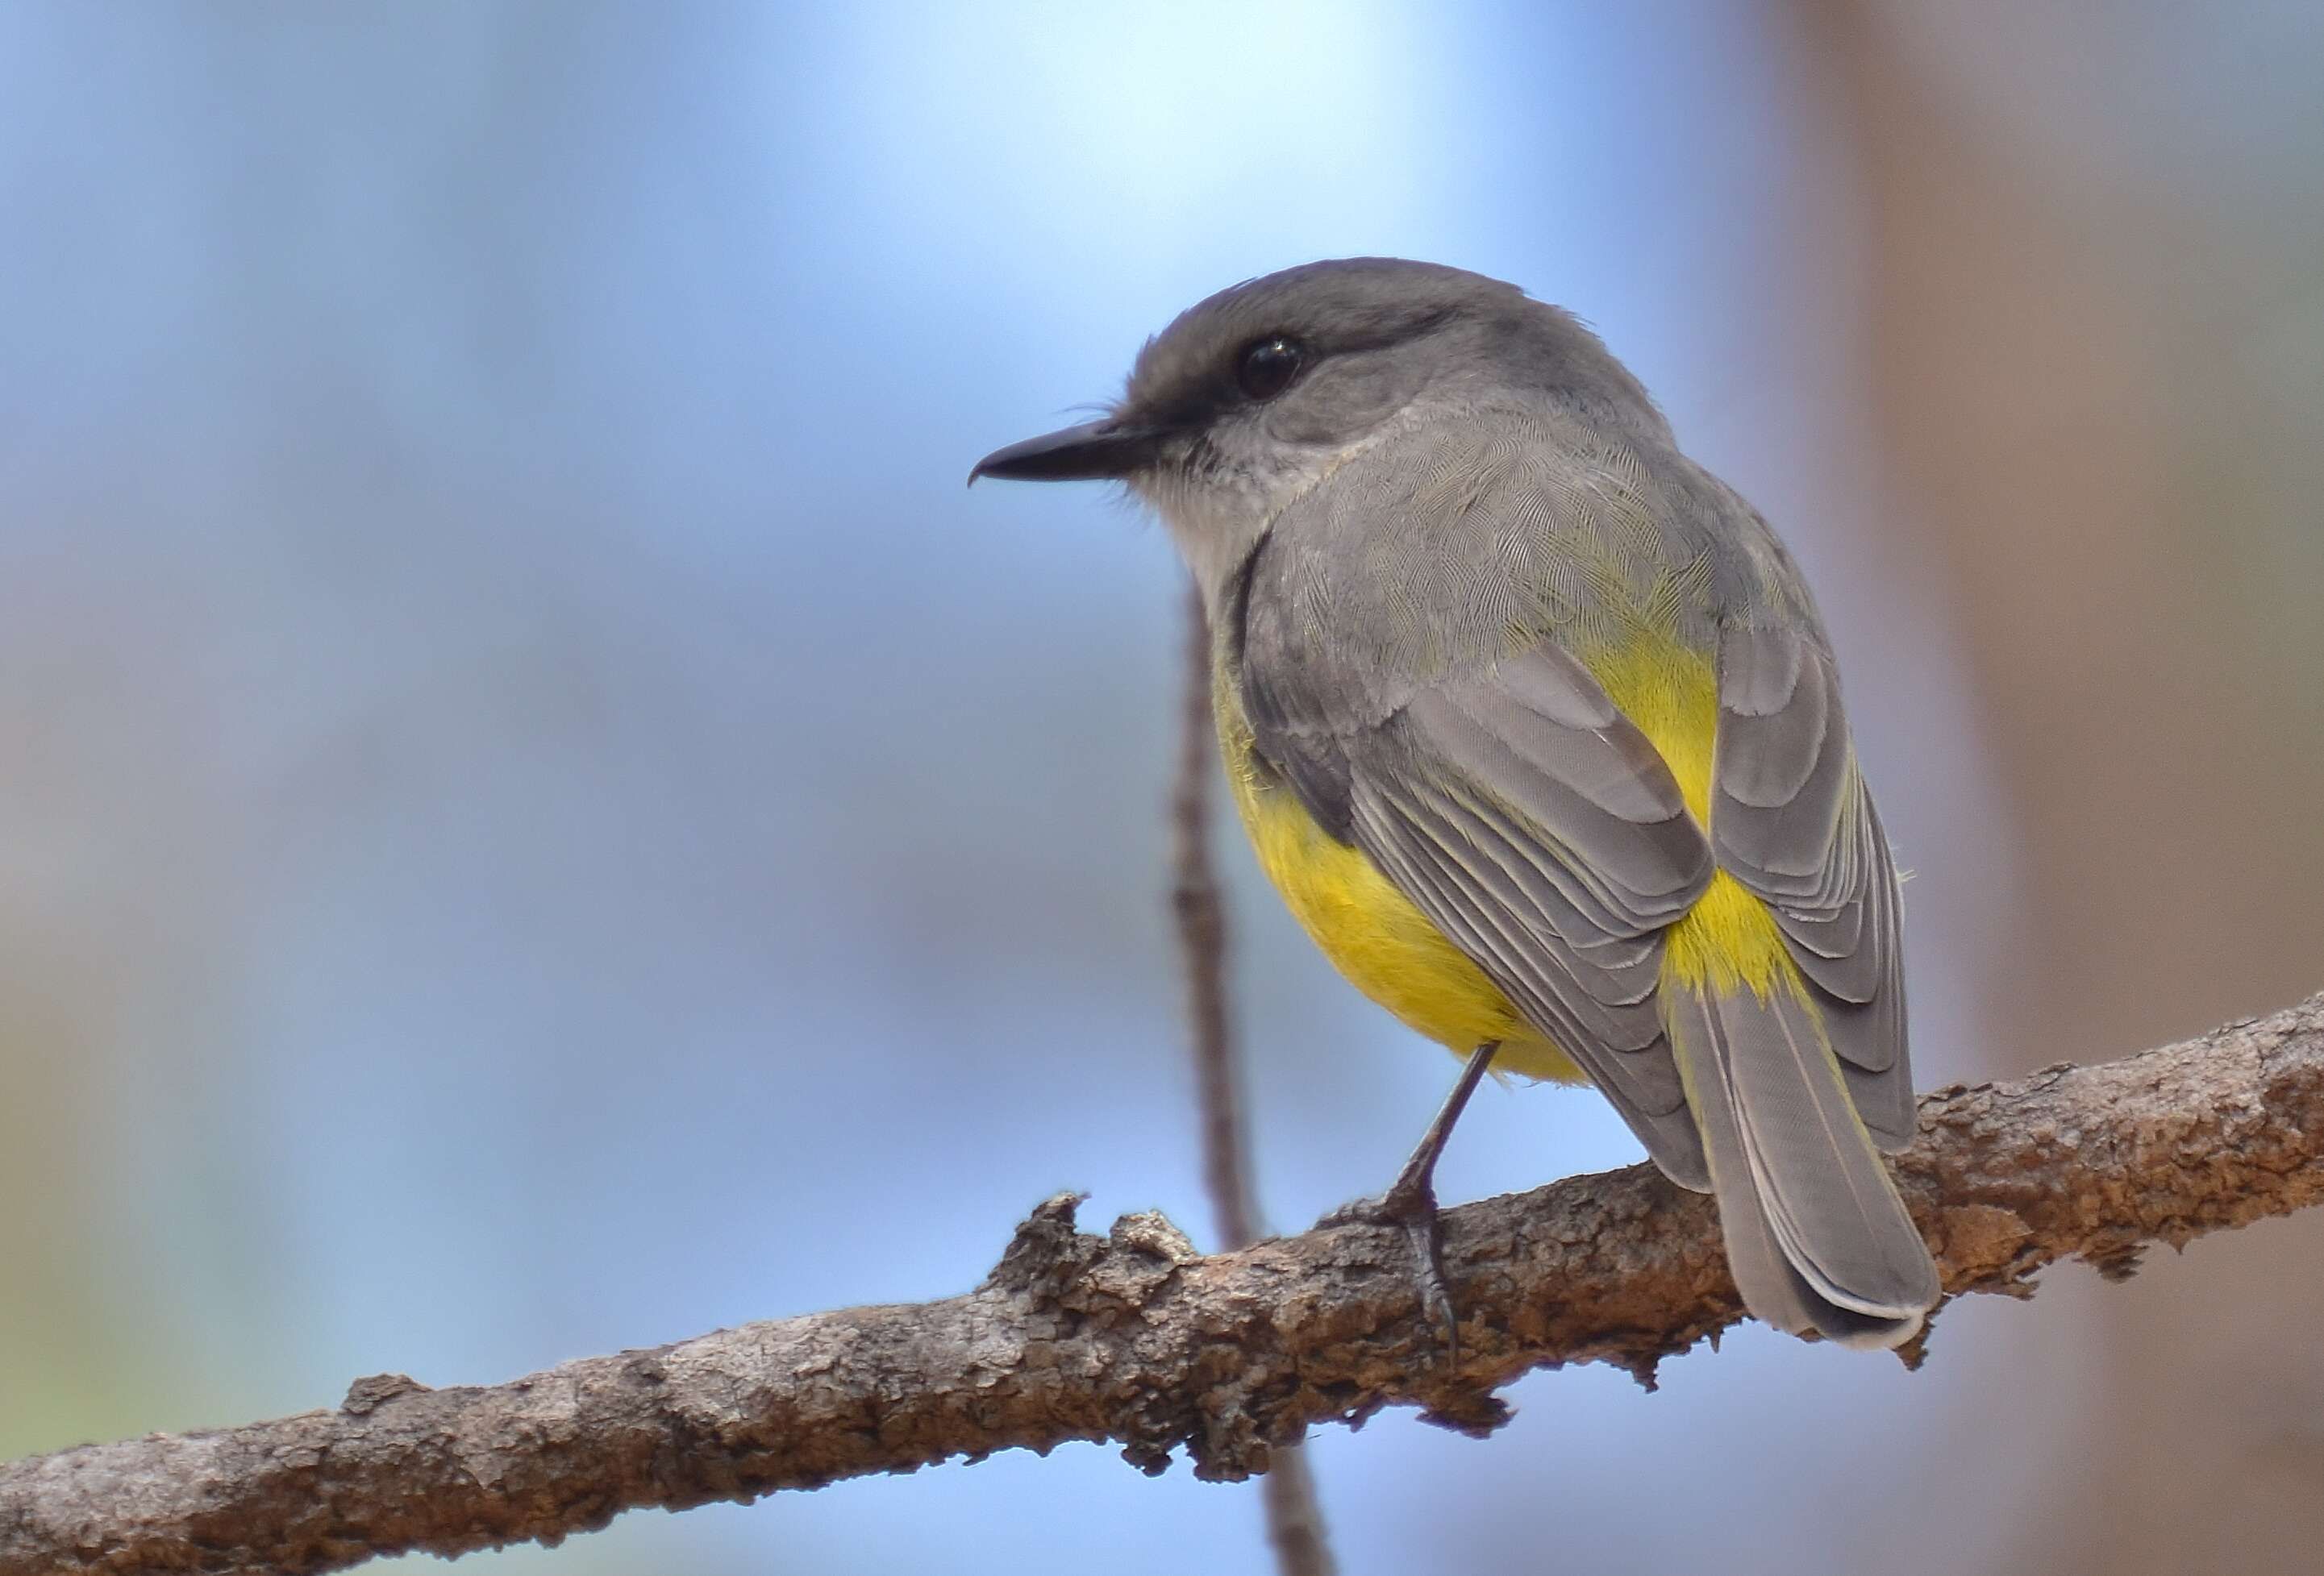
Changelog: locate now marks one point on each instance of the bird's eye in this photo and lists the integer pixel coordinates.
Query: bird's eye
(1267, 366)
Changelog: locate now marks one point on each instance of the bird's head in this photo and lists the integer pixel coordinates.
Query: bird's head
(1259, 393)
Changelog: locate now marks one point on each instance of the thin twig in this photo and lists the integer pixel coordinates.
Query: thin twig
(1295, 1517)
(1203, 945)
(1136, 1339)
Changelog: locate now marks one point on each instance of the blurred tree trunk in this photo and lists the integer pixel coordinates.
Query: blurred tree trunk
(2069, 415)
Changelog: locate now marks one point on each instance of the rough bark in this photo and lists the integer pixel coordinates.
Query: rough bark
(1133, 1338)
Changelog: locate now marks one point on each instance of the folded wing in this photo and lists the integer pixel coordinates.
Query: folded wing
(1791, 820)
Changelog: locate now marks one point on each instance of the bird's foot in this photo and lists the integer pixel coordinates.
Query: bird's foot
(1410, 1207)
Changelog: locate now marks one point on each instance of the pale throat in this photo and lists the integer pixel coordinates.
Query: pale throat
(1217, 524)
(1214, 527)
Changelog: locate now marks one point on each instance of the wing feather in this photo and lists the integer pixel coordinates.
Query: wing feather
(1791, 820)
(1538, 828)
(1543, 976)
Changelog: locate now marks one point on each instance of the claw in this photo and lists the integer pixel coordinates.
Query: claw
(1414, 1208)
(1414, 1214)
(1410, 1206)
(1427, 1239)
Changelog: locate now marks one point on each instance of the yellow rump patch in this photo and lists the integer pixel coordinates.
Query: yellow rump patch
(1728, 939)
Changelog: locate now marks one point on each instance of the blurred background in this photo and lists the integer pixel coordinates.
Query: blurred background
(538, 818)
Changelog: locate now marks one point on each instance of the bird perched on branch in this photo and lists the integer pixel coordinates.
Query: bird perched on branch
(1533, 721)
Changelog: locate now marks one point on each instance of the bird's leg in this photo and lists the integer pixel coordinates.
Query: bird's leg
(1410, 1203)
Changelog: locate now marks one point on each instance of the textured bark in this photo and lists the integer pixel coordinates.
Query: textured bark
(1133, 1338)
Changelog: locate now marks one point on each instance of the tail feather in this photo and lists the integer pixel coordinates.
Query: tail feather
(1816, 1234)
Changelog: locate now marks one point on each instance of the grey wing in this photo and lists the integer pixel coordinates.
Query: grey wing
(1540, 830)
(1791, 820)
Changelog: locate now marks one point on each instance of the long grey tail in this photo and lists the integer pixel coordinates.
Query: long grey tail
(1816, 1235)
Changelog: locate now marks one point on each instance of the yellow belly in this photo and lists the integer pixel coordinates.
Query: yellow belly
(1389, 949)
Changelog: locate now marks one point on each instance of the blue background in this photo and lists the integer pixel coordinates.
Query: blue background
(538, 818)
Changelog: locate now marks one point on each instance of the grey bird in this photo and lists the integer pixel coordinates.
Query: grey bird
(1533, 723)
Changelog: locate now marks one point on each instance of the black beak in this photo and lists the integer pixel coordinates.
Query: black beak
(1094, 451)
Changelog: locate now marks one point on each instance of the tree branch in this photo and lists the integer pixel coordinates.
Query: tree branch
(1134, 1339)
